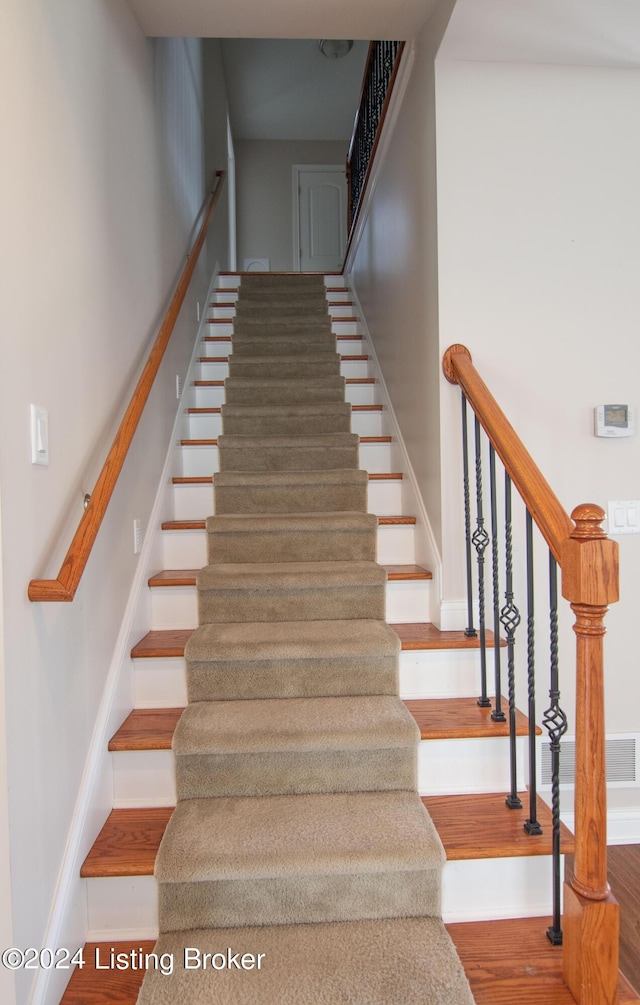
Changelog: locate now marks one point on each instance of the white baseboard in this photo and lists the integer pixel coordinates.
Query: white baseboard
(67, 924)
(623, 826)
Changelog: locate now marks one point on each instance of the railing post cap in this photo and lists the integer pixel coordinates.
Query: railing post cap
(589, 560)
(588, 518)
(447, 360)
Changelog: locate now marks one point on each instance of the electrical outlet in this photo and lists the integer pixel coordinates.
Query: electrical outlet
(198, 309)
(137, 537)
(178, 386)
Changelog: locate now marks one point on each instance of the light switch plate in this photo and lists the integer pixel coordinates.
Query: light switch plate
(624, 516)
(39, 435)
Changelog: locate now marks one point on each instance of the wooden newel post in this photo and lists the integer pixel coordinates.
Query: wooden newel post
(589, 562)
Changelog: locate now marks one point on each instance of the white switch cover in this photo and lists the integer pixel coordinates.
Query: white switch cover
(39, 435)
(624, 516)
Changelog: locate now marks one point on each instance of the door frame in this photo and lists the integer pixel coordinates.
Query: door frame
(297, 171)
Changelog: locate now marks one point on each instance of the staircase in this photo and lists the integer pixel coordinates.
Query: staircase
(493, 868)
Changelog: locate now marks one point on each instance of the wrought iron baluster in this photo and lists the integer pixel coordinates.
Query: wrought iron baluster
(532, 825)
(469, 631)
(510, 619)
(497, 715)
(480, 540)
(555, 722)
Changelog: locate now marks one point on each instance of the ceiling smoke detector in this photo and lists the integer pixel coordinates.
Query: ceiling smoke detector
(335, 48)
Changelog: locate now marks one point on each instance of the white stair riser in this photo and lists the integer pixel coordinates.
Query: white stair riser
(440, 673)
(224, 307)
(207, 397)
(220, 371)
(195, 502)
(122, 908)
(395, 546)
(203, 459)
(213, 397)
(224, 296)
(147, 777)
(339, 296)
(490, 889)
(161, 682)
(455, 766)
(209, 426)
(226, 282)
(177, 607)
(192, 502)
(224, 325)
(360, 394)
(223, 345)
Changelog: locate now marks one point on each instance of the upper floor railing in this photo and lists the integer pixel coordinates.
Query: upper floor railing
(588, 564)
(381, 69)
(64, 587)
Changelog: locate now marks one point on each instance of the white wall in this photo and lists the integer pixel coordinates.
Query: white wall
(102, 177)
(265, 193)
(539, 247)
(215, 144)
(395, 271)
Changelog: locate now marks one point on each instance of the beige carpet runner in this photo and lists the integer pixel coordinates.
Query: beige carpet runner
(300, 866)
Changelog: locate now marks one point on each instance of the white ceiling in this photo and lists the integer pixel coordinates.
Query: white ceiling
(568, 32)
(394, 19)
(286, 89)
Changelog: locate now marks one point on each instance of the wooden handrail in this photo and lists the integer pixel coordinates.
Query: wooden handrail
(64, 587)
(590, 582)
(545, 508)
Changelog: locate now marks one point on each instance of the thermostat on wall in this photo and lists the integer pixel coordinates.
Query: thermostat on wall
(614, 420)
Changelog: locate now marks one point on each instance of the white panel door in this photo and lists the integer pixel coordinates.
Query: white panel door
(322, 218)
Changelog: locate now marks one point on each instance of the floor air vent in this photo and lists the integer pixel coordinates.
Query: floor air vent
(623, 767)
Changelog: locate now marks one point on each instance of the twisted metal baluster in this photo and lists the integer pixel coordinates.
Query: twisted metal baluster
(497, 715)
(469, 631)
(510, 619)
(480, 540)
(532, 825)
(555, 722)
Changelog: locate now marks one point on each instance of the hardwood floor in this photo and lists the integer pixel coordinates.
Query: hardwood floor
(624, 877)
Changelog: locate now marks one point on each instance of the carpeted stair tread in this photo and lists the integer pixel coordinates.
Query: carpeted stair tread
(284, 345)
(279, 390)
(309, 834)
(407, 961)
(291, 591)
(287, 452)
(403, 961)
(294, 724)
(291, 659)
(292, 537)
(340, 489)
(299, 366)
(281, 419)
(294, 745)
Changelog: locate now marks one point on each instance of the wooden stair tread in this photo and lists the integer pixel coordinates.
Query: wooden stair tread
(128, 843)
(360, 380)
(438, 719)
(375, 439)
(208, 383)
(213, 359)
(424, 635)
(146, 729)
(358, 357)
(383, 521)
(164, 643)
(106, 986)
(491, 953)
(187, 577)
(513, 960)
(204, 411)
(198, 443)
(217, 338)
(417, 636)
(208, 479)
(461, 718)
(471, 827)
(479, 825)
